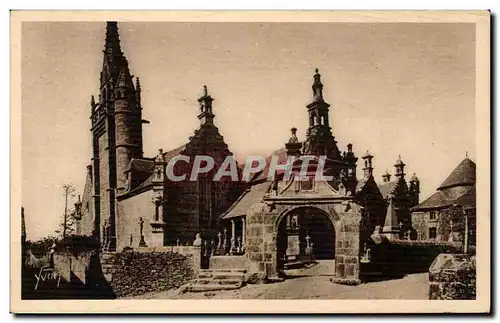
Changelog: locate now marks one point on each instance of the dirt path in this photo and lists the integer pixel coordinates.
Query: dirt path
(316, 287)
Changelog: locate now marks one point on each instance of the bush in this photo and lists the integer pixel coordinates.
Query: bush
(41, 247)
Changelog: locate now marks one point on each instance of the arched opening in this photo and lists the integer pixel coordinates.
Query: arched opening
(305, 243)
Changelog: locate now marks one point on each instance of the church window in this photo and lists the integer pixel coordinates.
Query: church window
(157, 210)
(432, 233)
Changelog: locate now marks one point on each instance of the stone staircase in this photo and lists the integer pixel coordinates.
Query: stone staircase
(106, 264)
(214, 280)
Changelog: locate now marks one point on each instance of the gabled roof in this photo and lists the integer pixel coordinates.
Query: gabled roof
(250, 197)
(463, 174)
(146, 165)
(282, 158)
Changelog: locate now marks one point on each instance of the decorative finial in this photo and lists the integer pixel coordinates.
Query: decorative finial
(317, 71)
(293, 139)
(205, 90)
(466, 154)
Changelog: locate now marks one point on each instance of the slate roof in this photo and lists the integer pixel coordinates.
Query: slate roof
(463, 174)
(282, 158)
(438, 200)
(250, 197)
(145, 165)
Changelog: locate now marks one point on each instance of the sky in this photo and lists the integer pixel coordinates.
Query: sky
(394, 88)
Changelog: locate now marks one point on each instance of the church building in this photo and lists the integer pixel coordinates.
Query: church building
(127, 197)
(128, 201)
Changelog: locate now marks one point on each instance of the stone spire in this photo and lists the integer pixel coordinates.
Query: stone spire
(391, 226)
(368, 169)
(400, 168)
(317, 87)
(112, 48)
(206, 115)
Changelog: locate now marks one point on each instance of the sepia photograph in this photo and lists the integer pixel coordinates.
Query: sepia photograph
(243, 156)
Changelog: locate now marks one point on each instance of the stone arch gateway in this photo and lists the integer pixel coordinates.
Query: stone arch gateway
(263, 232)
(304, 236)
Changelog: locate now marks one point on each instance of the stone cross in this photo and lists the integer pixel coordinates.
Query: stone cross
(142, 243)
(178, 242)
(307, 241)
(141, 224)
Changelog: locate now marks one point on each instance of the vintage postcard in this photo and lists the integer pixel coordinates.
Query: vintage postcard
(250, 162)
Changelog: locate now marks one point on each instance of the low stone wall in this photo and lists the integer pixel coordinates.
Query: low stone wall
(400, 257)
(142, 271)
(193, 252)
(71, 265)
(453, 277)
(227, 262)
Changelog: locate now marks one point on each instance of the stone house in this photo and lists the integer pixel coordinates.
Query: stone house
(457, 190)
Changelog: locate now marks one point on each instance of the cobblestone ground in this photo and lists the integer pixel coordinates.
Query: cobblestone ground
(316, 287)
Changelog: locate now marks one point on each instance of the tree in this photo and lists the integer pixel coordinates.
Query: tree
(67, 224)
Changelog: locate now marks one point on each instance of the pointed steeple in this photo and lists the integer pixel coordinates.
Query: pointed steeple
(391, 226)
(206, 116)
(112, 44)
(317, 87)
(113, 56)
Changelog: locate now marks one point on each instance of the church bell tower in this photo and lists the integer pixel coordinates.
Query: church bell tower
(116, 120)
(320, 140)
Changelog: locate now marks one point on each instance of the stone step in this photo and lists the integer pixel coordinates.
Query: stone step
(228, 275)
(207, 281)
(236, 270)
(196, 288)
(205, 275)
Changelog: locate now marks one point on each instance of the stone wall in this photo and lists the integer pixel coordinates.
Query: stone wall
(421, 222)
(401, 257)
(71, 265)
(136, 273)
(453, 276)
(129, 212)
(227, 262)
